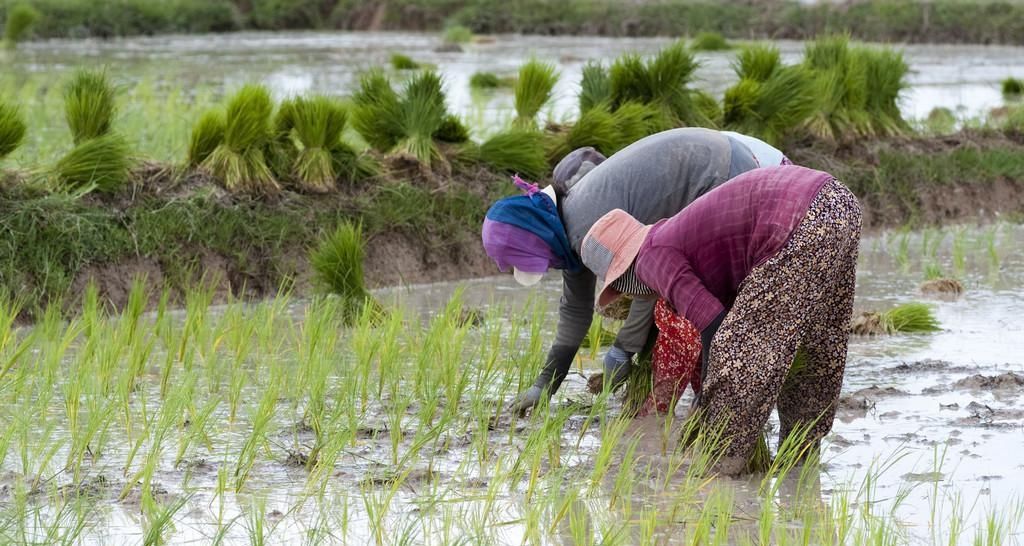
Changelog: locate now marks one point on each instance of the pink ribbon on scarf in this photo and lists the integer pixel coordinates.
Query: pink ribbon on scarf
(529, 188)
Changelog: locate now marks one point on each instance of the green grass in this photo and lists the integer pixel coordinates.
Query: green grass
(12, 129)
(1013, 87)
(103, 162)
(709, 41)
(89, 105)
(457, 34)
(240, 160)
(21, 17)
(533, 90)
(403, 62)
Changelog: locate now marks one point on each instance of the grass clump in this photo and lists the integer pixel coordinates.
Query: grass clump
(910, 318)
(662, 81)
(12, 129)
(770, 100)
(337, 263)
(709, 41)
(457, 34)
(1013, 87)
(20, 19)
(207, 134)
(89, 105)
(940, 121)
(403, 62)
(533, 90)
(309, 131)
(406, 124)
(516, 151)
(103, 163)
(239, 161)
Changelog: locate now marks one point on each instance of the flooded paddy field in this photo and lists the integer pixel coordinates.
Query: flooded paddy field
(169, 80)
(274, 423)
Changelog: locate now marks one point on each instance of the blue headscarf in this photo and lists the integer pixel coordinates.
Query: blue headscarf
(536, 213)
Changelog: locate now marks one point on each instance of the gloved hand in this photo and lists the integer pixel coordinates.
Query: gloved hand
(526, 400)
(616, 367)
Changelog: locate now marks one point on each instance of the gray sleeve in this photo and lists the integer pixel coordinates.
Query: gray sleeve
(634, 332)
(741, 159)
(576, 310)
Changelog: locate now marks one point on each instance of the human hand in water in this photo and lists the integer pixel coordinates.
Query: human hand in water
(526, 400)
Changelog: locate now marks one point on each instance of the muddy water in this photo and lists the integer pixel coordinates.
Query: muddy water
(908, 401)
(942, 412)
(962, 78)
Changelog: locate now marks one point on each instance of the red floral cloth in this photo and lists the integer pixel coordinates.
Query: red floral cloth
(675, 360)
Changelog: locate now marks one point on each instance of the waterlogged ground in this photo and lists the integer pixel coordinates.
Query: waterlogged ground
(127, 436)
(168, 79)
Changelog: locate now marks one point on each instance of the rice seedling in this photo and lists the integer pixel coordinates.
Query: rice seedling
(338, 265)
(207, 135)
(12, 129)
(886, 73)
(533, 90)
(457, 34)
(595, 87)
(310, 129)
(758, 62)
(662, 81)
(841, 82)
(517, 152)
(89, 105)
(378, 112)
(403, 62)
(709, 41)
(771, 109)
(239, 161)
(909, 318)
(1012, 87)
(490, 80)
(940, 121)
(21, 17)
(102, 163)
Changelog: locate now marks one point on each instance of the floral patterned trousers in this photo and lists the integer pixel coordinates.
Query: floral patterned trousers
(802, 296)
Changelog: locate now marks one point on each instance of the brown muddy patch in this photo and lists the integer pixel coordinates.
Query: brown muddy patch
(1008, 382)
(857, 404)
(984, 415)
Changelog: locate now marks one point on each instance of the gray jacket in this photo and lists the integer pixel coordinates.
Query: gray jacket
(654, 178)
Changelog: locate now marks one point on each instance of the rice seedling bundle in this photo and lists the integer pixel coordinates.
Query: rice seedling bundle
(709, 41)
(452, 130)
(240, 160)
(457, 34)
(516, 151)
(310, 129)
(103, 162)
(338, 268)
(886, 78)
(484, 80)
(662, 81)
(12, 129)
(89, 105)
(607, 131)
(20, 19)
(772, 108)
(533, 90)
(403, 62)
(423, 114)
(1013, 87)
(207, 134)
(595, 87)
(757, 62)
(908, 318)
(378, 112)
(844, 79)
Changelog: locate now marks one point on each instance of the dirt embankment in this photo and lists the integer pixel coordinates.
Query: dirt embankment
(405, 256)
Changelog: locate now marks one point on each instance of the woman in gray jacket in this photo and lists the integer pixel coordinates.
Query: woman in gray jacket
(654, 178)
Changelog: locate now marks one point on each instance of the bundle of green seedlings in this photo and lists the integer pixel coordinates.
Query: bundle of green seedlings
(403, 62)
(233, 146)
(770, 101)
(490, 80)
(338, 269)
(409, 124)
(12, 129)
(533, 89)
(457, 34)
(21, 17)
(1013, 88)
(909, 318)
(709, 41)
(101, 158)
(308, 151)
(857, 88)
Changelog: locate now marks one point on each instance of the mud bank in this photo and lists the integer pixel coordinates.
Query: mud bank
(177, 230)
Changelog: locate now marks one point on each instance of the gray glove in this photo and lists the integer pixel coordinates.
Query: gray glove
(527, 400)
(616, 367)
